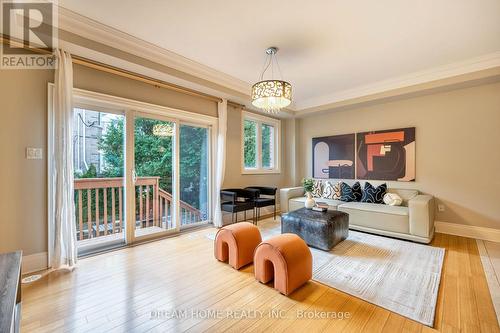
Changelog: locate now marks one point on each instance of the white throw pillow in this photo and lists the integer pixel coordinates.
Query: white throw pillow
(327, 190)
(392, 199)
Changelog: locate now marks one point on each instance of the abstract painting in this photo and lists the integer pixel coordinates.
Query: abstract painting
(333, 156)
(386, 155)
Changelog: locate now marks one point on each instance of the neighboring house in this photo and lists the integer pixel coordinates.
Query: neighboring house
(88, 128)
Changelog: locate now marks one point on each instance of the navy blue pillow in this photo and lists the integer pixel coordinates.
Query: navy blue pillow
(374, 194)
(348, 193)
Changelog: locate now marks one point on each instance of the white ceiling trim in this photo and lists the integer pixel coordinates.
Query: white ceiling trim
(93, 30)
(488, 61)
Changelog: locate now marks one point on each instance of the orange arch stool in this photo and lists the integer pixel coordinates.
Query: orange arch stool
(236, 243)
(287, 259)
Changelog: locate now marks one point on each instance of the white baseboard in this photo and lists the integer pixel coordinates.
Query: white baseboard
(34, 262)
(488, 234)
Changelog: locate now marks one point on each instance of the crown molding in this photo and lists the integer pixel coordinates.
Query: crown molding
(101, 33)
(324, 102)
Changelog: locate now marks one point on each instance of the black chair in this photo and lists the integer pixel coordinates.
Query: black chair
(237, 200)
(267, 197)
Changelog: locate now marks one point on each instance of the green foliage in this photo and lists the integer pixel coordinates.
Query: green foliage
(266, 146)
(194, 166)
(250, 143)
(154, 156)
(308, 184)
(112, 144)
(90, 173)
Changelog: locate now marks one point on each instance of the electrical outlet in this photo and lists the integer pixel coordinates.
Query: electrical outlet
(33, 153)
(441, 208)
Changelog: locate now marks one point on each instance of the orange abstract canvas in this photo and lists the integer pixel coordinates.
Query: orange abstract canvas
(386, 155)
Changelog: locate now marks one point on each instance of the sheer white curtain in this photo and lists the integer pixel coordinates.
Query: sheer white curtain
(220, 160)
(62, 228)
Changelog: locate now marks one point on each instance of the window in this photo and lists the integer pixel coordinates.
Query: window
(260, 144)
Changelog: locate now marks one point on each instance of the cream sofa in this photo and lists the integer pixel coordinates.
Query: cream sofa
(413, 220)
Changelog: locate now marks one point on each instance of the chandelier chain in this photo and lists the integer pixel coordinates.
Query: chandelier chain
(267, 62)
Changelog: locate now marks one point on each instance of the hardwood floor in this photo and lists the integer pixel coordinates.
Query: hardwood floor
(121, 290)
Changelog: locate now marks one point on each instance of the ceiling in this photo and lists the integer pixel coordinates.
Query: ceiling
(327, 48)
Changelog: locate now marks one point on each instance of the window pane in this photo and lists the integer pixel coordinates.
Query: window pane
(193, 174)
(267, 146)
(98, 162)
(250, 143)
(154, 160)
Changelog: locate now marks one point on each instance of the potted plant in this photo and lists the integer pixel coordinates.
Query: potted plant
(308, 185)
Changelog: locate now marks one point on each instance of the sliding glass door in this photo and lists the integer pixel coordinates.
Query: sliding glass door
(141, 171)
(194, 180)
(154, 165)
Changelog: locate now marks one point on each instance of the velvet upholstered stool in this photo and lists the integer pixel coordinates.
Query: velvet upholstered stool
(287, 259)
(236, 243)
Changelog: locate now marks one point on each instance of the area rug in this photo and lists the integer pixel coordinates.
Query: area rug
(400, 276)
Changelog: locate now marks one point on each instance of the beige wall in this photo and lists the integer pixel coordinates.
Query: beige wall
(106, 83)
(458, 147)
(23, 194)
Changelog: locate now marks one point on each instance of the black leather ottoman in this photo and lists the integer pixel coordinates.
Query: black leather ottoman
(322, 230)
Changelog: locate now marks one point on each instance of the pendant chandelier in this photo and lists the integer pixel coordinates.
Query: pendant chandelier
(271, 95)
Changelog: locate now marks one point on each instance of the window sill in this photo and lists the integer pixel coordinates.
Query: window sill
(260, 171)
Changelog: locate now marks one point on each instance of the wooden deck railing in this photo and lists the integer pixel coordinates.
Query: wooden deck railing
(189, 214)
(100, 208)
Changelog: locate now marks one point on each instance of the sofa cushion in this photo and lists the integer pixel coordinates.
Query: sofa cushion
(298, 202)
(373, 194)
(349, 193)
(317, 190)
(377, 216)
(378, 208)
(327, 190)
(331, 190)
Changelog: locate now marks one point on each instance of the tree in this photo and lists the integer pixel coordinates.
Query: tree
(266, 146)
(154, 156)
(250, 143)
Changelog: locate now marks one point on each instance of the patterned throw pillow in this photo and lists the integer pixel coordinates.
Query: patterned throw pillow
(349, 193)
(317, 189)
(374, 194)
(327, 190)
(337, 191)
